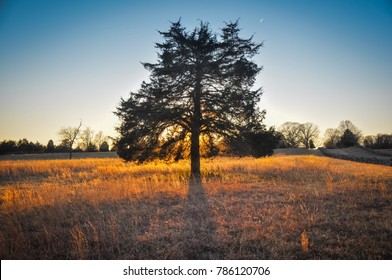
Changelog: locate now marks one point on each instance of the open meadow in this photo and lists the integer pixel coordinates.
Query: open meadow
(280, 207)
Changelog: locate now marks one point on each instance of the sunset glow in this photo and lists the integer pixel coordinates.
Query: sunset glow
(66, 61)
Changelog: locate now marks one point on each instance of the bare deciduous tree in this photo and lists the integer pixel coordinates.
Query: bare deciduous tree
(68, 135)
(86, 138)
(347, 134)
(347, 127)
(291, 134)
(99, 139)
(331, 138)
(309, 133)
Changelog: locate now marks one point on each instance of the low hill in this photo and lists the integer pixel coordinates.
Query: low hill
(297, 152)
(358, 154)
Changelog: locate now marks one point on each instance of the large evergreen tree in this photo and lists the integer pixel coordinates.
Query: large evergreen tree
(199, 94)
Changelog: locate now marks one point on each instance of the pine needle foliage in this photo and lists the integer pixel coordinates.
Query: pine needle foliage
(199, 98)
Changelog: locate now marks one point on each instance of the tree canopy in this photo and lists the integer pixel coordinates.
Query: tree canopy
(68, 136)
(200, 95)
(295, 134)
(346, 135)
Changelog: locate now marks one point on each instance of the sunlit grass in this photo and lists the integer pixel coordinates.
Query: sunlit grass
(278, 207)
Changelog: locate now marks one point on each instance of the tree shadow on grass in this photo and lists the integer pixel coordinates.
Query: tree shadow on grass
(77, 230)
(199, 224)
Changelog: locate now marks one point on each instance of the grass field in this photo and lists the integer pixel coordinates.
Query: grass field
(281, 207)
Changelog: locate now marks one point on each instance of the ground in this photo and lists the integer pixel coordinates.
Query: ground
(280, 207)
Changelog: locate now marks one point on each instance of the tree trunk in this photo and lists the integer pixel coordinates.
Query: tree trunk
(195, 155)
(195, 135)
(70, 152)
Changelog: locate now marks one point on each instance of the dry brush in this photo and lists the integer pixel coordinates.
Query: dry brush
(284, 207)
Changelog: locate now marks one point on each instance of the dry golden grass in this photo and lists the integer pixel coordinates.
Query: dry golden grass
(283, 207)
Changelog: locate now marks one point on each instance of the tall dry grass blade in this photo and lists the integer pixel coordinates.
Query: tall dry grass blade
(304, 242)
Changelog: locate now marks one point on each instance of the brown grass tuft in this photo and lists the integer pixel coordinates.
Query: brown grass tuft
(304, 242)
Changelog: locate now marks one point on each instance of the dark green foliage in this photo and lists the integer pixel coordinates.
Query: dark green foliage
(91, 148)
(104, 147)
(61, 148)
(23, 146)
(50, 147)
(256, 144)
(349, 134)
(311, 144)
(8, 147)
(265, 142)
(348, 139)
(26, 147)
(381, 141)
(198, 96)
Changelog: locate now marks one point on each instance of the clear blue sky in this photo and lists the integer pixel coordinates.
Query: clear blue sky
(65, 61)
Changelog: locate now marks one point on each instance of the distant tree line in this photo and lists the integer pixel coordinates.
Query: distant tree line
(288, 135)
(84, 141)
(296, 135)
(380, 141)
(346, 135)
(22, 146)
(306, 135)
